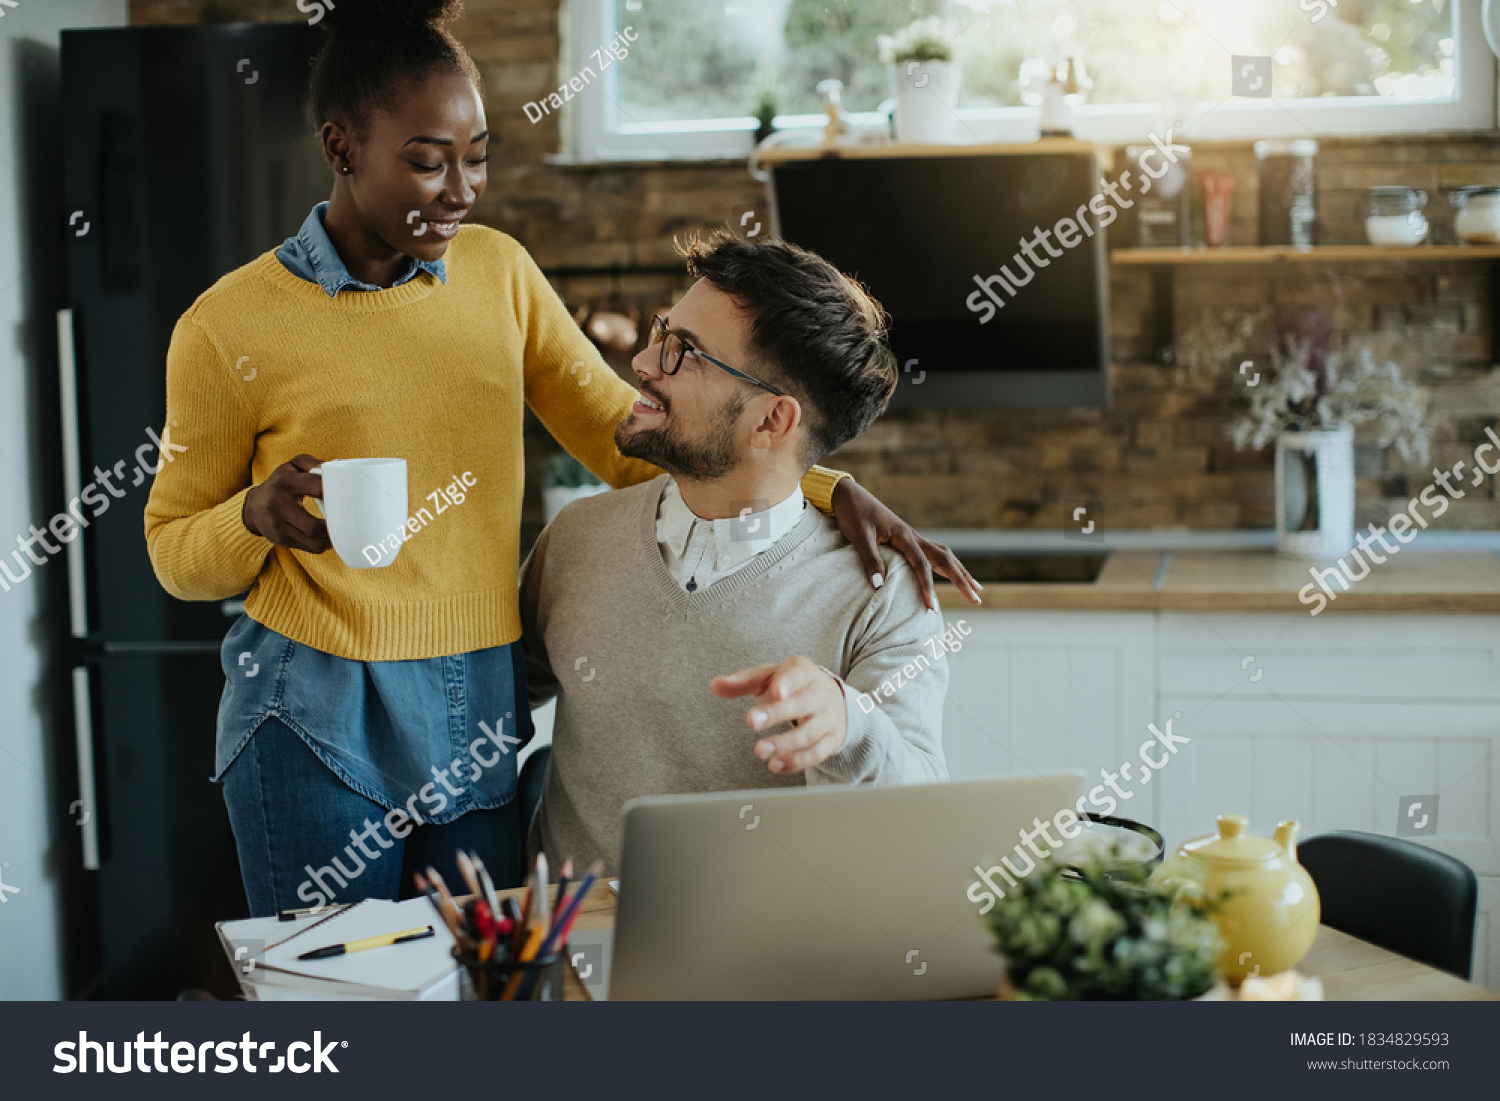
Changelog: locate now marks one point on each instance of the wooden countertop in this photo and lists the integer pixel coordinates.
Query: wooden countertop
(1416, 581)
(1352, 970)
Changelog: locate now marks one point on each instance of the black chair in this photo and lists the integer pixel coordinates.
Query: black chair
(532, 780)
(1400, 895)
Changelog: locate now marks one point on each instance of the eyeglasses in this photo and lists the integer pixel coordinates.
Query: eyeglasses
(674, 349)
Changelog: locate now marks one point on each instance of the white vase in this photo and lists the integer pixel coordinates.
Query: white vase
(926, 101)
(1315, 493)
(556, 498)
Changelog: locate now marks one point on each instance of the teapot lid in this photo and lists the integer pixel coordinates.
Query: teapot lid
(1232, 845)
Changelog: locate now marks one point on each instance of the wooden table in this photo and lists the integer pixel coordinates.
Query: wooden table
(1352, 970)
(1355, 970)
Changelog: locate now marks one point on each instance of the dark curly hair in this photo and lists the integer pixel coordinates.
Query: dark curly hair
(814, 332)
(377, 46)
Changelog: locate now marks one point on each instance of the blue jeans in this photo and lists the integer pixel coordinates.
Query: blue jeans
(305, 838)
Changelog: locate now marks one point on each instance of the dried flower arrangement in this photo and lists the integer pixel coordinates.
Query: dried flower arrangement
(1307, 392)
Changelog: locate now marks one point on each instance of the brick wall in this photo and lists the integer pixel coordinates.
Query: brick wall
(1158, 457)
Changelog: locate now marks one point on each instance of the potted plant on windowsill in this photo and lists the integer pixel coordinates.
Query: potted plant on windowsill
(767, 99)
(924, 79)
(1100, 930)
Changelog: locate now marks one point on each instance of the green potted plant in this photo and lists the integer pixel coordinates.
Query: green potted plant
(925, 78)
(1101, 930)
(565, 479)
(767, 99)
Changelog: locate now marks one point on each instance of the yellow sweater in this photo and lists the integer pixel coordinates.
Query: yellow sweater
(265, 366)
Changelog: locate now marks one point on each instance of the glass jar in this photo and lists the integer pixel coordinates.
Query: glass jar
(1163, 216)
(1218, 194)
(1478, 219)
(1395, 217)
(1288, 192)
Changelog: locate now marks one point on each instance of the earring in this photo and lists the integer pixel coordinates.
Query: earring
(348, 171)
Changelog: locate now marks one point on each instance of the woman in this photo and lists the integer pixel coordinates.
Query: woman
(370, 717)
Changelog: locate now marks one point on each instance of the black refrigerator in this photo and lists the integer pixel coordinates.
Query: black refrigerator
(188, 154)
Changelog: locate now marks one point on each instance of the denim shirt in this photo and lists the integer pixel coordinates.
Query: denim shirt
(310, 255)
(436, 737)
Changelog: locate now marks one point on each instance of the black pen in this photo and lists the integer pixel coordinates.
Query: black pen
(293, 915)
(332, 950)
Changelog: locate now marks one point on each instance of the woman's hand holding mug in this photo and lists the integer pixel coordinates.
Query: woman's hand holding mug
(363, 504)
(273, 510)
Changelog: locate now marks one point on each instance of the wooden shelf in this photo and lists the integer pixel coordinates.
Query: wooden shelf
(781, 154)
(1162, 263)
(1263, 254)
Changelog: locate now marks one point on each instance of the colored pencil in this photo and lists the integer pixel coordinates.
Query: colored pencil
(543, 895)
(490, 894)
(452, 906)
(558, 933)
(565, 919)
(437, 904)
(466, 869)
(562, 888)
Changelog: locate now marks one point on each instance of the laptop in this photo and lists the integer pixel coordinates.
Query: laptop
(818, 893)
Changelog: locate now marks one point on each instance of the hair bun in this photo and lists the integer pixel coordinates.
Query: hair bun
(378, 17)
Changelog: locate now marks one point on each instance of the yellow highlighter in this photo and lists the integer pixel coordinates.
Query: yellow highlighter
(328, 952)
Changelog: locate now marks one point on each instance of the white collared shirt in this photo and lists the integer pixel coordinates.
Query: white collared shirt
(700, 552)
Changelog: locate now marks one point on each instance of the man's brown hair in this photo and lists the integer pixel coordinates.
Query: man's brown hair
(814, 332)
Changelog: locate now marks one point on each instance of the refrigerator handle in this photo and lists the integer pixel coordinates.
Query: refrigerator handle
(83, 733)
(67, 371)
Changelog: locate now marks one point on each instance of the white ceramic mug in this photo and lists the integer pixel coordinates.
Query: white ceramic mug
(364, 502)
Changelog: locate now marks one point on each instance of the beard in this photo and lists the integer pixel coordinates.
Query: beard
(710, 456)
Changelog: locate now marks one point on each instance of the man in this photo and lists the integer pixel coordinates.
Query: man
(648, 610)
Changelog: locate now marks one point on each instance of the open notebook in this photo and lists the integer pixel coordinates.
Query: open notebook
(422, 970)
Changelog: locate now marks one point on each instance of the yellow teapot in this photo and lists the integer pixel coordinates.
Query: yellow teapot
(1267, 908)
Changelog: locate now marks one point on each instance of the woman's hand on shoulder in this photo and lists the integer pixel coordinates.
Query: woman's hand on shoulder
(867, 523)
(273, 510)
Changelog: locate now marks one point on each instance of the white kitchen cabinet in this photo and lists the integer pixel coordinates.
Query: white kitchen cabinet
(1330, 720)
(1037, 691)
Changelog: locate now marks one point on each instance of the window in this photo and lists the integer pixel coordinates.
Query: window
(696, 67)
